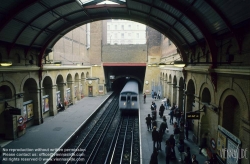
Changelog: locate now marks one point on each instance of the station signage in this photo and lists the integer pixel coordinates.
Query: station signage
(193, 115)
(15, 111)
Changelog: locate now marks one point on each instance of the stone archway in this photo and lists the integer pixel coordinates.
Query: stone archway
(33, 113)
(231, 115)
(47, 99)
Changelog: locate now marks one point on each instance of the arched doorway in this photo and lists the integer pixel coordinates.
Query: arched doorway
(33, 113)
(231, 115)
(47, 99)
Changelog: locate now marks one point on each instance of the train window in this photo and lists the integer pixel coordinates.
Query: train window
(128, 98)
(123, 98)
(134, 98)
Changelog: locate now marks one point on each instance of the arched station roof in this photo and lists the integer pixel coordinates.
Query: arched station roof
(41, 23)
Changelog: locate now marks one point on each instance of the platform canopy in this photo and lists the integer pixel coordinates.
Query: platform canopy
(188, 23)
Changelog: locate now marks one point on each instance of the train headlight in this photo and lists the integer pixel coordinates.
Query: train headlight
(124, 103)
(133, 104)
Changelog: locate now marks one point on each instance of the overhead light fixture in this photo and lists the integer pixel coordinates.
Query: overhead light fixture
(5, 63)
(162, 65)
(179, 64)
(58, 63)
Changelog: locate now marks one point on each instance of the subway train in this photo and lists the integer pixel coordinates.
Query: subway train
(129, 98)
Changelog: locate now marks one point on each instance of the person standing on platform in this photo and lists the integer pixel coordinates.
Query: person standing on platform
(168, 103)
(167, 151)
(155, 95)
(172, 145)
(163, 125)
(152, 94)
(149, 122)
(159, 95)
(144, 97)
(161, 110)
(187, 158)
(154, 158)
(171, 114)
(155, 138)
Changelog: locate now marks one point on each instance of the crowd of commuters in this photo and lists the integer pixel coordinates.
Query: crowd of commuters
(176, 138)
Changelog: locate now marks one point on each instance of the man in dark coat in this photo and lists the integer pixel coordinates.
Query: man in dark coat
(161, 110)
(155, 137)
(154, 159)
(148, 122)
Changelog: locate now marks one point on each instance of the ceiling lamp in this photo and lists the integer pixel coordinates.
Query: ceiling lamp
(179, 64)
(162, 65)
(5, 63)
(58, 63)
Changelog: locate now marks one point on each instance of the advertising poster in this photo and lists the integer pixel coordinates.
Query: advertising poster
(30, 111)
(221, 144)
(100, 89)
(46, 104)
(25, 113)
(43, 105)
(76, 91)
(68, 95)
(58, 98)
(233, 149)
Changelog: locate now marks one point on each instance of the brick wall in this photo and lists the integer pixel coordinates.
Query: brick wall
(124, 53)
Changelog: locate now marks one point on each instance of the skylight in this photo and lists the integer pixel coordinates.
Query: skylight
(103, 2)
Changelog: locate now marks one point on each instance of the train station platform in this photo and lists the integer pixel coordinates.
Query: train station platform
(146, 136)
(57, 129)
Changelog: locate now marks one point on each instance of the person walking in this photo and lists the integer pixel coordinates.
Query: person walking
(159, 140)
(163, 125)
(161, 110)
(149, 122)
(172, 145)
(152, 94)
(154, 158)
(168, 103)
(144, 97)
(167, 151)
(155, 138)
(171, 114)
(155, 95)
(187, 158)
(159, 95)
(177, 133)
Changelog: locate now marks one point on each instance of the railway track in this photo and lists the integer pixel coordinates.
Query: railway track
(109, 138)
